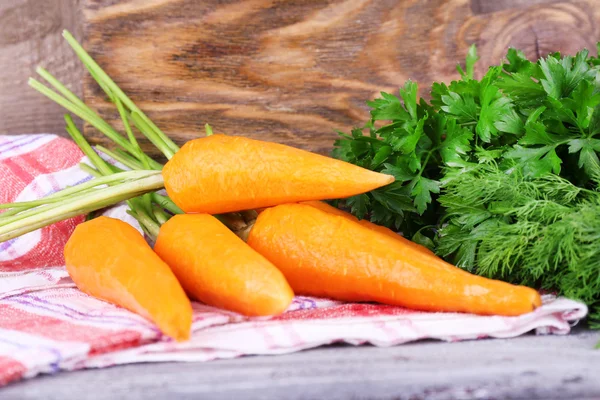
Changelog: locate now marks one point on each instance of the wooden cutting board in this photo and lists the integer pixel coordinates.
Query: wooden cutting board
(295, 71)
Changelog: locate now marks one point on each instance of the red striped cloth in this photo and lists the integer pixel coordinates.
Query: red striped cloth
(47, 325)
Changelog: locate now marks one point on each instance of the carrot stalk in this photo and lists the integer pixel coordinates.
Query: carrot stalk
(125, 160)
(141, 207)
(322, 254)
(219, 269)
(130, 184)
(88, 115)
(108, 259)
(106, 82)
(218, 174)
(90, 170)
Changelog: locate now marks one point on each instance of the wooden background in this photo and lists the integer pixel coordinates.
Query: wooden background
(30, 36)
(287, 71)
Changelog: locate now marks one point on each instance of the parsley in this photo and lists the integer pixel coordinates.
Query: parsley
(499, 174)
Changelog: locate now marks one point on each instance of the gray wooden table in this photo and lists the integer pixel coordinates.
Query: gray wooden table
(528, 367)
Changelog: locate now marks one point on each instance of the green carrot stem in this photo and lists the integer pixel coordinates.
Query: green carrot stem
(160, 216)
(84, 113)
(142, 207)
(90, 117)
(100, 75)
(101, 83)
(145, 201)
(127, 176)
(151, 180)
(72, 97)
(128, 162)
(208, 129)
(166, 203)
(95, 159)
(141, 124)
(10, 212)
(47, 205)
(90, 170)
(28, 206)
(132, 160)
(139, 154)
(150, 227)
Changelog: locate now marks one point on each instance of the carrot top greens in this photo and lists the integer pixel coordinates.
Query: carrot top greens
(499, 174)
(138, 187)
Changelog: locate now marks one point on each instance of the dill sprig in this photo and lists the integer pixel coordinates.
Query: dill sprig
(541, 232)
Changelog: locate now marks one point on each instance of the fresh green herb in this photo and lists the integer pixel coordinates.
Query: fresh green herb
(497, 174)
(539, 232)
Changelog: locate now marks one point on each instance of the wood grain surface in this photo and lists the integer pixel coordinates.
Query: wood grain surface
(294, 71)
(30, 36)
(288, 71)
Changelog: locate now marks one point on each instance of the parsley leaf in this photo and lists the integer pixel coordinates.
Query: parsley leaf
(358, 205)
(463, 106)
(456, 145)
(471, 59)
(493, 107)
(422, 190)
(561, 76)
(409, 95)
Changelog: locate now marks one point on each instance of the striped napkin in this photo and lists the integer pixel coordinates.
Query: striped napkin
(47, 325)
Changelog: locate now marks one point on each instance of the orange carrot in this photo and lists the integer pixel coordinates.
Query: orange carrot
(367, 224)
(219, 269)
(322, 254)
(218, 174)
(108, 259)
(321, 205)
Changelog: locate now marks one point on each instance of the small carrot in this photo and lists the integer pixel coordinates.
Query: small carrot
(218, 174)
(366, 223)
(322, 254)
(219, 269)
(108, 259)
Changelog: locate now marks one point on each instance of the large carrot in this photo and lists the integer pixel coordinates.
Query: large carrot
(366, 223)
(108, 259)
(218, 174)
(219, 269)
(322, 254)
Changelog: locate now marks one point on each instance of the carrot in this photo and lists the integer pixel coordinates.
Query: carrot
(218, 174)
(322, 254)
(108, 259)
(366, 223)
(219, 269)
(321, 205)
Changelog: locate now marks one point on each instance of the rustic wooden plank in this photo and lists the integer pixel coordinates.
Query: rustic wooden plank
(528, 367)
(294, 71)
(30, 36)
(487, 6)
(537, 30)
